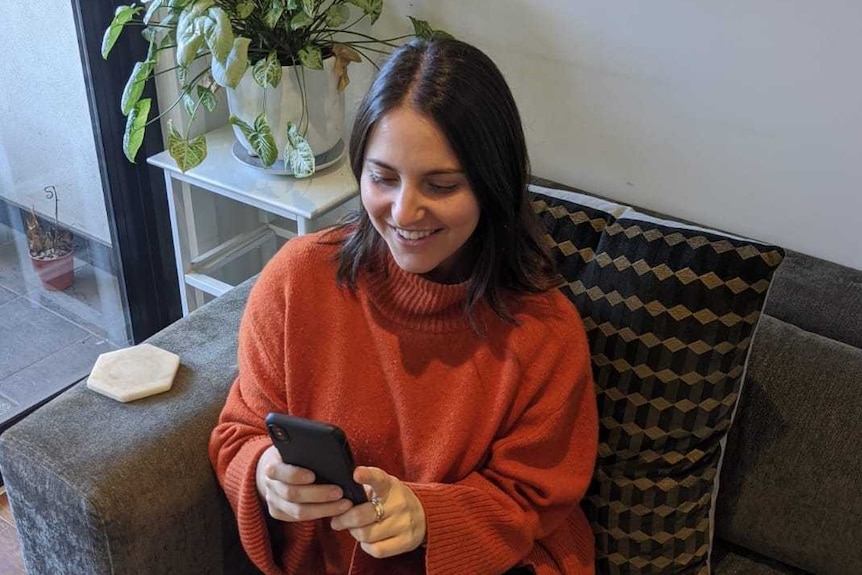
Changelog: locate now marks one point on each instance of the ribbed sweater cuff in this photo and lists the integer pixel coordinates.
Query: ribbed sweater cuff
(452, 546)
(240, 479)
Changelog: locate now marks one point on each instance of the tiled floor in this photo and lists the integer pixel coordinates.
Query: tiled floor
(49, 340)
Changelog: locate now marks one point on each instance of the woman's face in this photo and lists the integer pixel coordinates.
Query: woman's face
(417, 195)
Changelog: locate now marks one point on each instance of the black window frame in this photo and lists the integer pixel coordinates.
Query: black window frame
(135, 194)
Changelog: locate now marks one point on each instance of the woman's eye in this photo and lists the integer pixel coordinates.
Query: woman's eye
(443, 189)
(380, 179)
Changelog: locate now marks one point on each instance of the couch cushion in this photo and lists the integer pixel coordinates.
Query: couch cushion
(820, 297)
(669, 310)
(730, 559)
(790, 483)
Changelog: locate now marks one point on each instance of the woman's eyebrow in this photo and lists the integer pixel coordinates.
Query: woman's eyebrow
(443, 171)
(380, 164)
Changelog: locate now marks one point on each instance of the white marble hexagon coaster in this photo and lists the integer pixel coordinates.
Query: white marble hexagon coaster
(134, 372)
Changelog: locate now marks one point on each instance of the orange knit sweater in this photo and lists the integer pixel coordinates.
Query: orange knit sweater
(496, 435)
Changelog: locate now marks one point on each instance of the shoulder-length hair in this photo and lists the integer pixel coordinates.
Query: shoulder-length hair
(463, 92)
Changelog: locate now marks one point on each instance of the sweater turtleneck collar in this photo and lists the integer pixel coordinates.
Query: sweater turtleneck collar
(413, 301)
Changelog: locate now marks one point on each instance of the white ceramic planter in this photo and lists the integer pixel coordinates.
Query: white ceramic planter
(283, 104)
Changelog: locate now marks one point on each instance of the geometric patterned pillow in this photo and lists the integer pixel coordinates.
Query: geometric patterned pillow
(670, 311)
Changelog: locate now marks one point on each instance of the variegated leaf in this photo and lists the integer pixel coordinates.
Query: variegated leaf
(189, 104)
(136, 123)
(259, 138)
(298, 153)
(217, 33)
(191, 13)
(135, 86)
(422, 29)
(273, 13)
(207, 98)
(189, 35)
(311, 57)
(244, 9)
(337, 15)
(267, 71)
(372, 8)
(230, 72)
(122, 15)
(186, 153)
(183, 76)
(243, 127)
(151, 10)
(150, 35)
(189, 39)
(308, 7)
(168, 20)
(265, 144)
(300, 20)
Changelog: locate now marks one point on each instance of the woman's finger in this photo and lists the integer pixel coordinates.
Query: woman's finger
(288, 511)
(391, 523)
(376, 478)
(287, 473)
(384, 547)
(296, 493)
(360, 516)
(363, 523)
(370, 532)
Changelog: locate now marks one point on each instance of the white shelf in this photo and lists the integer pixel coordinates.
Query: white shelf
(302, 200)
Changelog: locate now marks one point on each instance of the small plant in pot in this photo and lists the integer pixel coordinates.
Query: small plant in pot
(52, 248)
(282, 63)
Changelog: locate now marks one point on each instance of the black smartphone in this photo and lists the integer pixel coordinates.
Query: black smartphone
(320, 447)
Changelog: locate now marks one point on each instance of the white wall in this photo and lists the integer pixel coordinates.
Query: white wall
(744, 114)
(46, 135)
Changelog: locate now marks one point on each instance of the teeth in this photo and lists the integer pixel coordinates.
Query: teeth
(413, 235)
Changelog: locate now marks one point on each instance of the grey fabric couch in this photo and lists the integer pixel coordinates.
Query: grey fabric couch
(100, 487)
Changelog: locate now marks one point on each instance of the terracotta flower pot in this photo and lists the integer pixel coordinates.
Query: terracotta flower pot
(56, 274)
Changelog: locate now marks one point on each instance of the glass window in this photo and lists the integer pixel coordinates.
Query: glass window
(63, 297)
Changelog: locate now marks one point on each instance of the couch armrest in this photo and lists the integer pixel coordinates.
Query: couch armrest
(100, 487)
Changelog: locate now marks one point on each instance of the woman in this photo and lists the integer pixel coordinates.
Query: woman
(428, 329)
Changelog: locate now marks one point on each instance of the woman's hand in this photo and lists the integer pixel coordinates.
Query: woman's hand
(401, 528)
(290, 493)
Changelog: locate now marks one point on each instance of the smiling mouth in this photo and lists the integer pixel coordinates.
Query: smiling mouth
(413, 235)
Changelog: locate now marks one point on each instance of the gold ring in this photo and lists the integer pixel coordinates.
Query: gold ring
(378, 508)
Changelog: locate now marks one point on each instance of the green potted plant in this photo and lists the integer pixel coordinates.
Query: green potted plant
(279, 60)
(51, 247)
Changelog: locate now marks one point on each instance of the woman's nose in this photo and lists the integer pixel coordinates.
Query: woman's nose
(407, 208)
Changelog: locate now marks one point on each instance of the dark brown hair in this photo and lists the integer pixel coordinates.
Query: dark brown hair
(463, 92)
